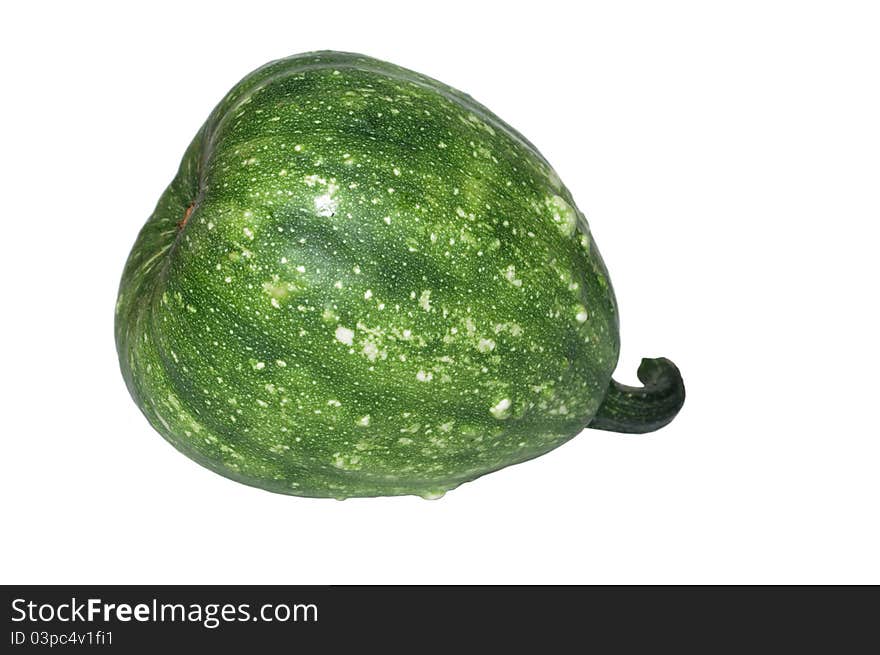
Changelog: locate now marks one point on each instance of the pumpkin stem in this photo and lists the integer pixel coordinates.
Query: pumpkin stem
(642, 409)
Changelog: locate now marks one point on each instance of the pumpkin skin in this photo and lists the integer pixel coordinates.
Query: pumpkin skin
(361, 282)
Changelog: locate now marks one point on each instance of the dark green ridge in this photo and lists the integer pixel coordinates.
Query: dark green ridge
(361, 282)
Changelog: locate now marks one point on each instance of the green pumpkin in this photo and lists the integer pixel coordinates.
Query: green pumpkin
(362, 282)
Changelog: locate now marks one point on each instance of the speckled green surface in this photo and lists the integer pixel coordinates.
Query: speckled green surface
(381, 288)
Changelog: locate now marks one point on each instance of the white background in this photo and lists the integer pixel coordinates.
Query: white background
(727, 156)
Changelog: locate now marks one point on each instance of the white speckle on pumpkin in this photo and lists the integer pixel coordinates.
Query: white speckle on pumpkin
(425, 300)
(485, 345)
(510, 276)
(563, 214)
(325, 205)
(370, 350)
(422, 376)
(364, 421)
(344, 335)
(500, 410)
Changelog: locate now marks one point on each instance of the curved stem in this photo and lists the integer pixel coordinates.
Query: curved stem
(635, 410)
